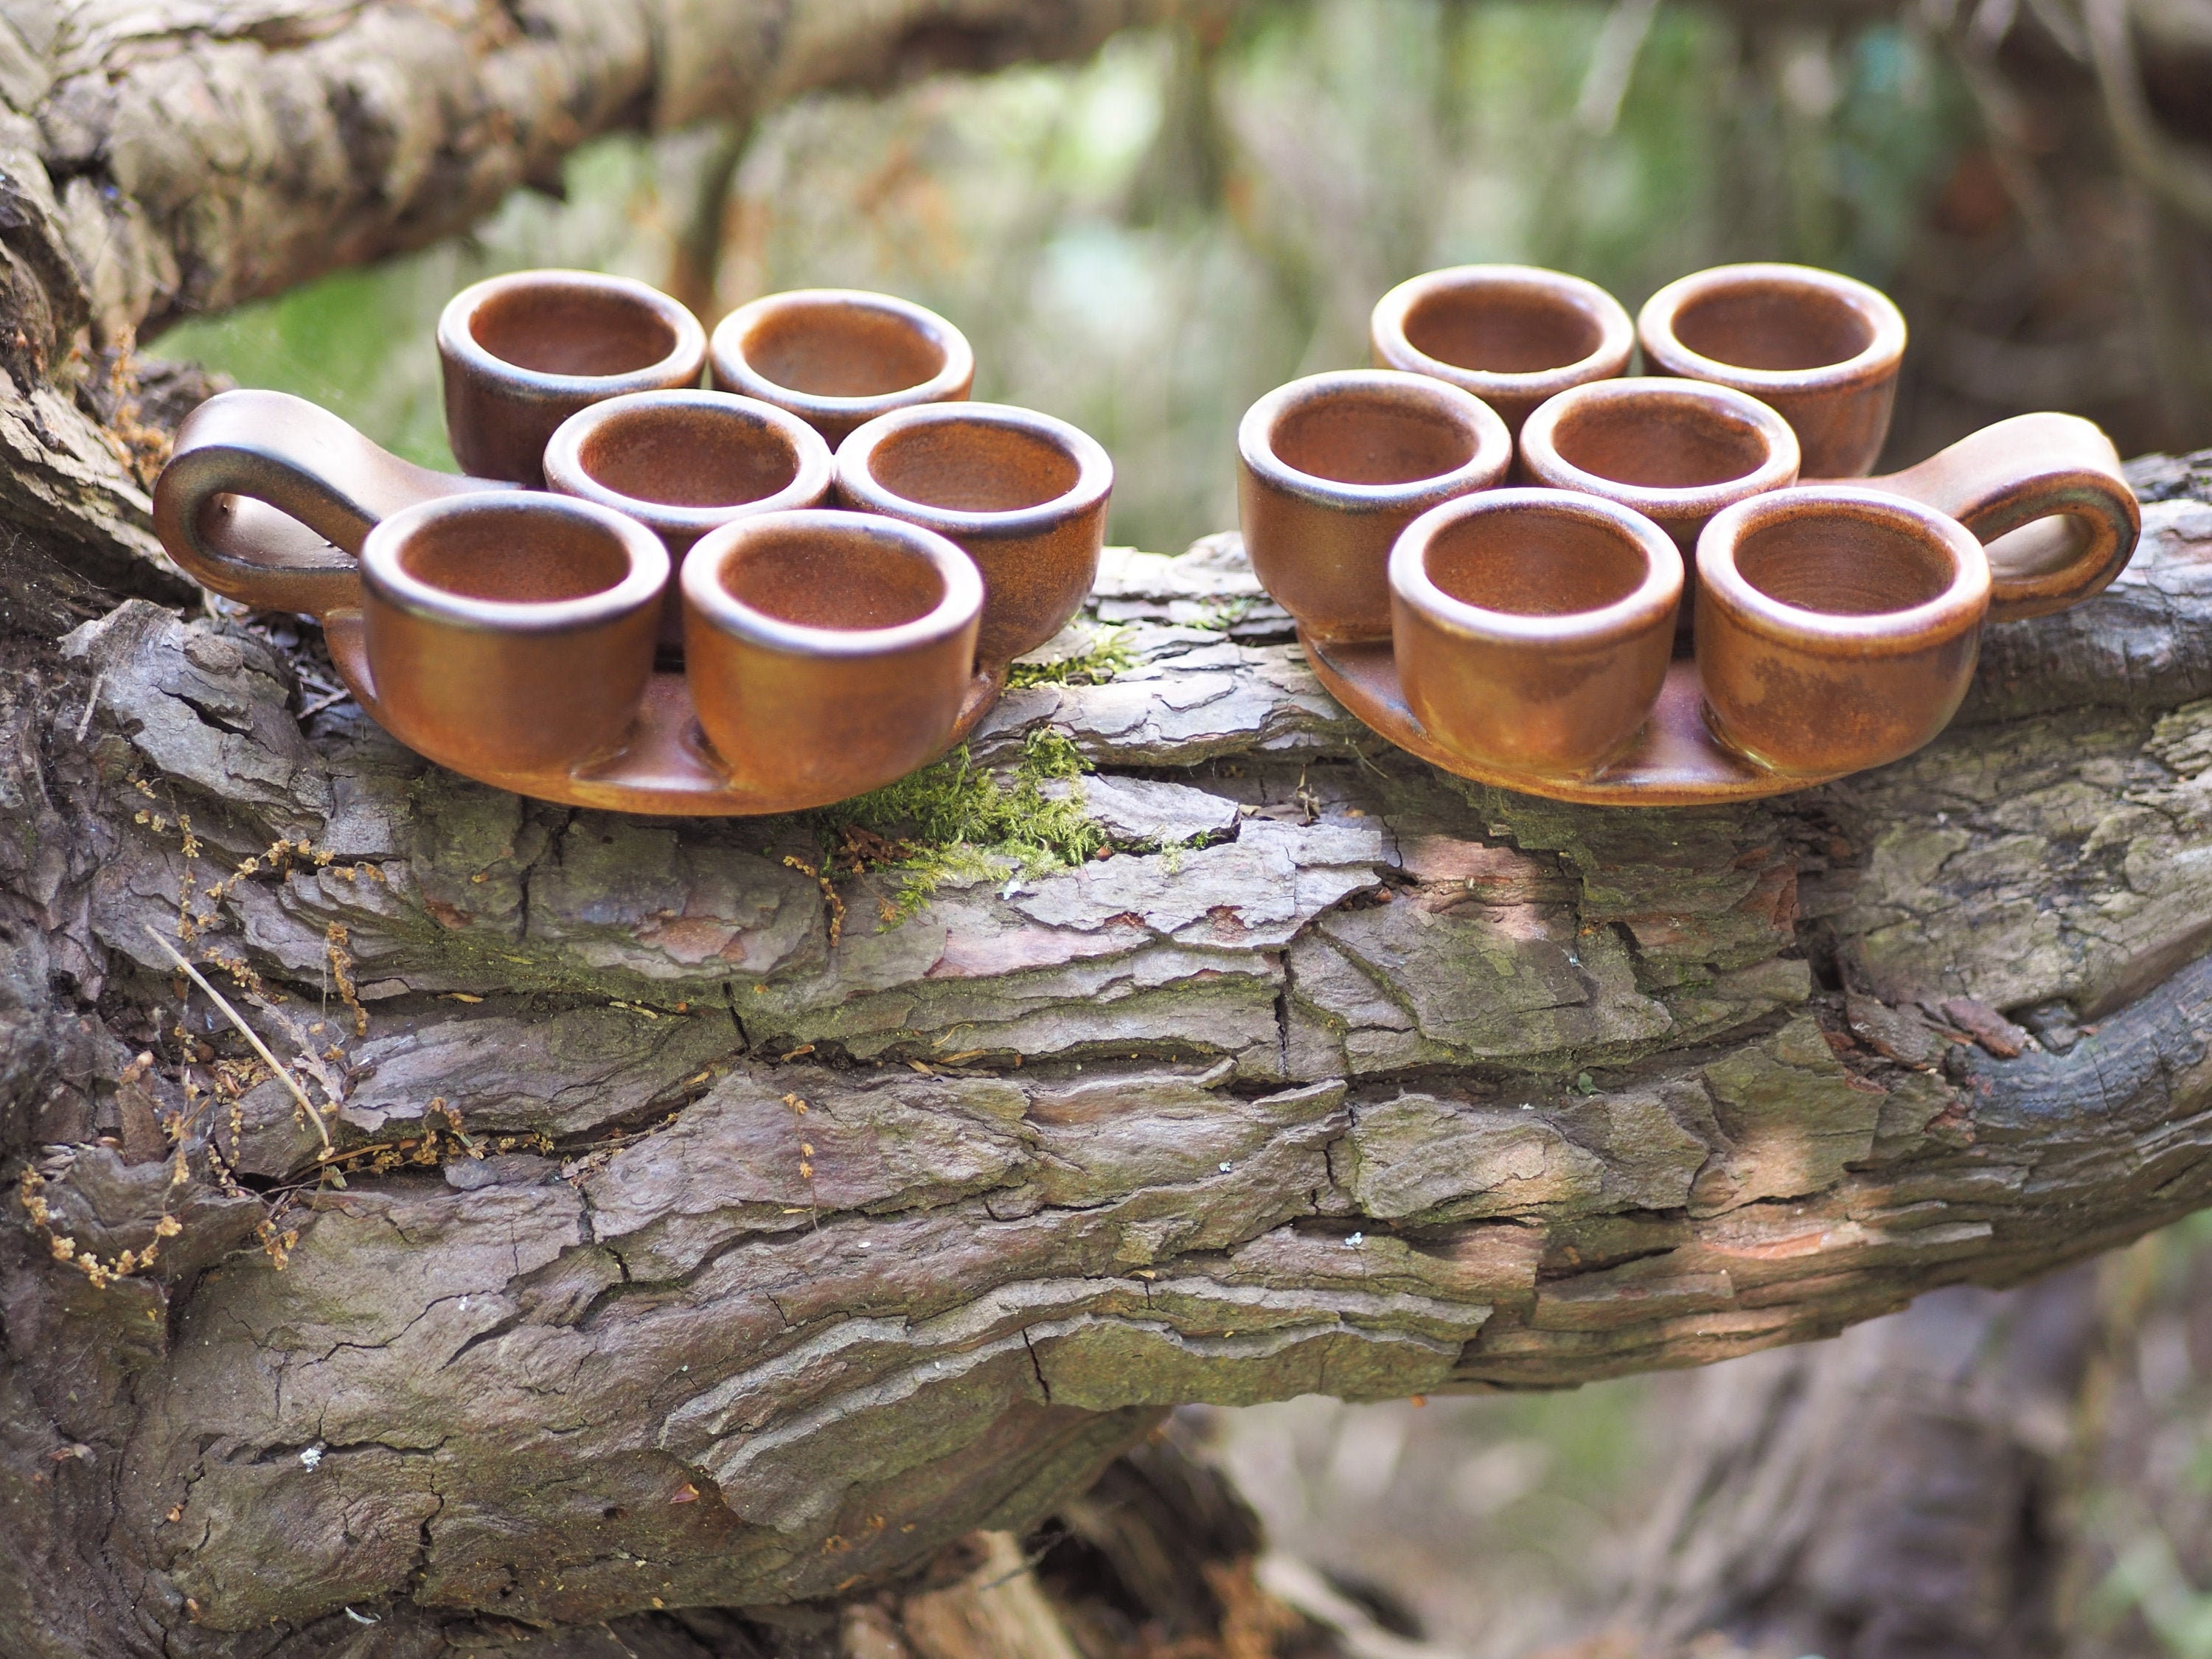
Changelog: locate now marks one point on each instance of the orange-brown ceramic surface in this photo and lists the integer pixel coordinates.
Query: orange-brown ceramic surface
(685, 462)
(1533, 627)
(1822, 350)
(1512, 335)
(828, 651)
(510, 632)
(1333, 466)
(2045, 494)
(266, 498)
(522, 353)
(1838, 627)
(1673, 450)
(837, 357)
(1022, 494)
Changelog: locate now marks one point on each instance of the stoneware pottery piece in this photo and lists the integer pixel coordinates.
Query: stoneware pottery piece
(829, 650)
(1022, 494)
(1512, 335)
(1331, 468)
(1674, 451)
(522, 353)
(1822, 350)
(837, 357)
(1838, 627)
(685, 462)
(510, 631)
(1533, 628)
(509, 634)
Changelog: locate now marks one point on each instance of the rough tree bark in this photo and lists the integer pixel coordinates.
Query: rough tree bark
(713, 1237)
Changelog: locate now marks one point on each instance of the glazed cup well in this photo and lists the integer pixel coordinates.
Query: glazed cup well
(1836, 627)
(1332, 467)
(510, 632)
(1533, 628)
(522, 353)
(827, 652)
(684, 463)
(837, 357)
(1024, 494)
(1511, 335)
(1674, 451)
(1821, 348)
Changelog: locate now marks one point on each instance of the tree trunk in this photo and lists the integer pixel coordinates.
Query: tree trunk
(702, 1231)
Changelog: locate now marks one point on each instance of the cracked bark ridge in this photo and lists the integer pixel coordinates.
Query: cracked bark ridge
(157, 160)
(1384, 1083)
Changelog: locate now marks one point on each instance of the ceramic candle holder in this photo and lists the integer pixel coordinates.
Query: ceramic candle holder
(1822, 350)
(1022, 494)
(522, 353)
(1333, 466)
(685, 462)
(1676, 452)
(1512, 335)
(828, 650)
(1838, 627)
(1533, 628)
(511, 631)
(838, 358)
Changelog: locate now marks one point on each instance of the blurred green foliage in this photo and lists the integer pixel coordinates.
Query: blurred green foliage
(1145, 242)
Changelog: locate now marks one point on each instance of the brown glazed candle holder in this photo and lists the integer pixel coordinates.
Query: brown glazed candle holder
(1512, 335)
(838, 358)
(523, 352)
(1846, 622)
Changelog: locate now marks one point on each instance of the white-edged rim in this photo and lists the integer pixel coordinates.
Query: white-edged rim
(1651, 601)
(685, 358)
(813, 471)
(1539, 451)
(1616, 331)
(1094, 469)
(1962, 605)
(1655, 328)
(383, 573)
(960, 604)
(725, 348)
(1493, 443)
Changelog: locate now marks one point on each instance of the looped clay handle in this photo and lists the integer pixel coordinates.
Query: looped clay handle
(327, 484)
(2000, 481)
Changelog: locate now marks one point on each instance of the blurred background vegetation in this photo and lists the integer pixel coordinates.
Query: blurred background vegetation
(1145, 243)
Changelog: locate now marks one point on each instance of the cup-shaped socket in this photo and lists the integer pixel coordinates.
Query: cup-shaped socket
(1512, 335)
(1821, 348)
(1023, 494)
(1331, 468)
(1532, 627)
(837, 357)
(509, 633)
(1674, 451)
(1836, 627)
(685, 462)
(522, 353)
(828, 653)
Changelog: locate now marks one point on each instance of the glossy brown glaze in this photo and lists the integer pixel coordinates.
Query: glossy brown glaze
(1819, 348)
(1838, 627)
(1511, 335)
(838, 358)
(523, 352)
(1533, 628)
(1022, 494)
(1331, 468)
(511, 631)
(685, 462)
(2045, 496)
(1674, 451)
(828, 651)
